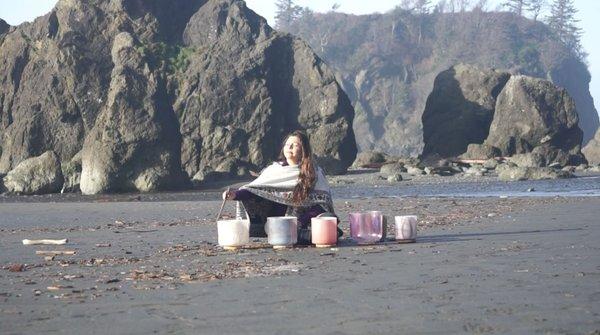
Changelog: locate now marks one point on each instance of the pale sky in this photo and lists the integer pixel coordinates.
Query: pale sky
(17, 11)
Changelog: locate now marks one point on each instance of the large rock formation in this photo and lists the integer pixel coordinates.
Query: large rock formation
(3, 27)
(135, 142)
(460, 109)
(153, 93)
(36, 175)
(534, 114)
(236, 112)
(475, 112)
(387, 64)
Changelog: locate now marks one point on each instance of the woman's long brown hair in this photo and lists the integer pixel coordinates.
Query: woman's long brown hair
(308, 175)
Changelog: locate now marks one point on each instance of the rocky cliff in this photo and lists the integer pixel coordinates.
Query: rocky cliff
(3, 27)
(153, 94)
(481, 113)
(460, 109)
(592, 150)
(387, 64)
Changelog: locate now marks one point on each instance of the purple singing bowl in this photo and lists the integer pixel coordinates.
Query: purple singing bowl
(366, 228)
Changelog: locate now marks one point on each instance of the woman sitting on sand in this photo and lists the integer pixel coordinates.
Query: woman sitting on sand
(292, 186)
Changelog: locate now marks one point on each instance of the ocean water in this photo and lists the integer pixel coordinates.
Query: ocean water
(574, 187)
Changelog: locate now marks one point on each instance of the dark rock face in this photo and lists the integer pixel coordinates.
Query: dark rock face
(53, 81)
(481, 114)
(284, 85)
(3, 27)
(532, 113)
(153, 92)
(592, 150)
(575, 77)
(460, 109)
(134, 144)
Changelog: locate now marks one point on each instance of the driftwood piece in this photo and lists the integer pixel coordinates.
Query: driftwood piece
(58, 287)
(46, 241)
(55, 252)
(471, 161)
(373, 165)
(478, 161)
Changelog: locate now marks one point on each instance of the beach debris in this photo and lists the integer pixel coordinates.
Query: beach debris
(45, 241)
(187, 276)
(48, 258)
(55, 252)
(531, 189)
(16, 268)
(147, 275)
(327, 254)
(58, 287)
(103, 245)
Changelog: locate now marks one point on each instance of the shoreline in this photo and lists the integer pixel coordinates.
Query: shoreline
(363, 180)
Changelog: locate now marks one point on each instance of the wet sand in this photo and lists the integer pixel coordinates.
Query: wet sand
(486, 265)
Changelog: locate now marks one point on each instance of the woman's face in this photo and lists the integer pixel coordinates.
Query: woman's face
(292, 150)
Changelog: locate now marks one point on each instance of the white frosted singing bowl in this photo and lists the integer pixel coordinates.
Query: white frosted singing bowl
(233, 233)
(406, 227)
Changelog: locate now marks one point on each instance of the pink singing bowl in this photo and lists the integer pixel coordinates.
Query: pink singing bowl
(324, 231)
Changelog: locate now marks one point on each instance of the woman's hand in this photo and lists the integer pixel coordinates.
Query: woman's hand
(229, 195)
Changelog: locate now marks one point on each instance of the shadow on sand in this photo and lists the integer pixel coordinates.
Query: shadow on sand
(479, 236)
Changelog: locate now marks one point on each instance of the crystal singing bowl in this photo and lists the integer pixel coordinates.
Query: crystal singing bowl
(324, 231)
(282, 230)
(366, 228)
(406, 227)
(233, 233)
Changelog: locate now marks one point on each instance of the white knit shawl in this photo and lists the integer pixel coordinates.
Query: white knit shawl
(285, 177)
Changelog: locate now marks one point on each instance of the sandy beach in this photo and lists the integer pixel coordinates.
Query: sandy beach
(124, 123)
(480, 265)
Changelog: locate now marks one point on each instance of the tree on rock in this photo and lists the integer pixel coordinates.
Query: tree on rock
(535, 8)
(519, 7)
(563, 23)
(416, 6)
(286, 13)
(516, 6)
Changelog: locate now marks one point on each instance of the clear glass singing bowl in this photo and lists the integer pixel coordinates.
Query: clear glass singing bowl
(366, 227)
